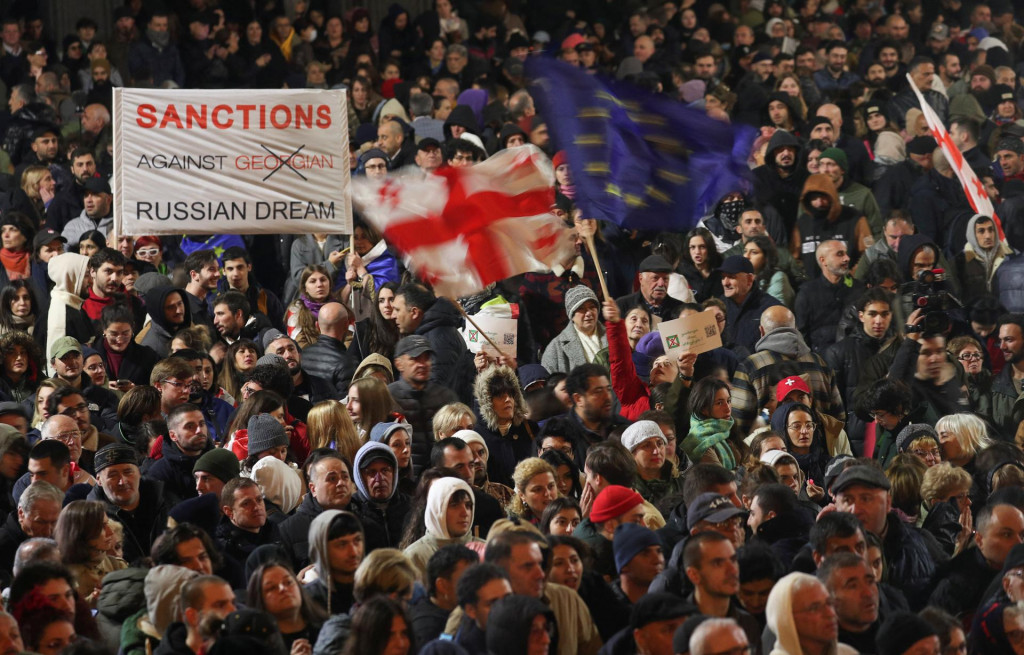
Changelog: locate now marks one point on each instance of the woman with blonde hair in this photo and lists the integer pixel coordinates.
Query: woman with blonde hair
(451, 418)
(330, 426)
(945, 500)
(535, 486)
(84, 537)
(961, 436)
(38, 185)
(43, 391)
(369, 403)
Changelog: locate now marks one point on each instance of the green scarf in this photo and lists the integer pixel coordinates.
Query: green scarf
(710, 433)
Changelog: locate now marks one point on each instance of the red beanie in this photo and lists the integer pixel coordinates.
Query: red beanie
(559, 159)
(613, 501)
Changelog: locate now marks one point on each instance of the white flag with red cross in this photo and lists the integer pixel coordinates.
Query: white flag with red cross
(462, 228)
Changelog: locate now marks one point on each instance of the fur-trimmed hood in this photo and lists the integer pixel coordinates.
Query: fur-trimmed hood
(482, 393)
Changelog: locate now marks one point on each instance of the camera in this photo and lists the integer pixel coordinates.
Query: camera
(930, 293)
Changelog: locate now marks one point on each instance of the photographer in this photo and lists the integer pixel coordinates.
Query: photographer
(923, 363)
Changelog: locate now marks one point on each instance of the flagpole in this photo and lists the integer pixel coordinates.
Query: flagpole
(473, 323)
(589, 238)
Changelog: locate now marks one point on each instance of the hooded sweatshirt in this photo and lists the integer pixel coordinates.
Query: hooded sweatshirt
(383, 522)
(437, 536)
(68, 273)
(990, 260)
(780, 617)
(281, 484)
(842, 223)
(161, 332)
(319, 550)
(163, 588)
(376, 449)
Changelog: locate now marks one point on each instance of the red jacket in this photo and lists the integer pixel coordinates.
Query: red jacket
(631, 391)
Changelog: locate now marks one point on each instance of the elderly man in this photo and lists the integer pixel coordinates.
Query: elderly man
(36, 516)
(744, 304)
(381, 507)
(816, 631)
(852, 583)
(653, 294)
(822, 301)
(138, 504)
(718, 636)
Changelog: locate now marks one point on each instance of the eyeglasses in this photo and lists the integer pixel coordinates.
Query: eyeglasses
(802, 427)
(68, 437)
(117, 336)
(77, 409)
(927, 454)
(175, 383)
(969, 357)
(148, 252)
(376, 167)
(1016, 573)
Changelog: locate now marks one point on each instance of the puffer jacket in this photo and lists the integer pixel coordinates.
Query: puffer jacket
(383, 523)
(122, 594)
(145, 524)
(327, 359)
(161, 332)
(294, 530)
(518, 444)
(453, 363)
(912, 556)
(418, 407)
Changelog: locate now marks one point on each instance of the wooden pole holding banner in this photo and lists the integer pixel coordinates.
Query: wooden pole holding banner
(473, 323)
(589, 238)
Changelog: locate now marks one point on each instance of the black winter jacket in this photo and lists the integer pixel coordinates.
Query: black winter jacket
(382, 526)
(145, 524)
(419, 407)
(136, 363)
(294, 530)
(453, 363)
(326, 359)
(239, 544)
(174, 469)
(913, 557)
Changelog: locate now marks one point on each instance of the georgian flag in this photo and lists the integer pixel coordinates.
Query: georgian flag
(975, 190)
(462, 228)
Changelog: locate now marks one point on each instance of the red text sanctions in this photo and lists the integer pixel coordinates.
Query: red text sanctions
(223, 116)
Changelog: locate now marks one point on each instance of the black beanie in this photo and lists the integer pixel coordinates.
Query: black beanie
(901, 631)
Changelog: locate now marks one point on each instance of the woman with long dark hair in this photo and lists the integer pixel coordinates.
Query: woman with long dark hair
(700, 258)
(273, 588)
(377, 333)
(240, 358)
(764, 257)
(380, 625)
(711, 424)
(20, 310)
(85, 537)
(301, 317)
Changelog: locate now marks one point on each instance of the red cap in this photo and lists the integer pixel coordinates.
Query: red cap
(559, 159)
(614, 501)
(789, 385)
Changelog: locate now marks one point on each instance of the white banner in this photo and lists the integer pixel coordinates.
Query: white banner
(237, 161)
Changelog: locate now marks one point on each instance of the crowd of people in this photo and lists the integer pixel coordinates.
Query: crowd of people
(290, 443)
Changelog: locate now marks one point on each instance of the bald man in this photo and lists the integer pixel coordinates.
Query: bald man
(860, 165)
(821, 301)
(756, 377)
(327, 358)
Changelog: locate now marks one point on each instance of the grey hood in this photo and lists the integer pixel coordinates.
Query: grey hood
(785, 341)
(366, 452)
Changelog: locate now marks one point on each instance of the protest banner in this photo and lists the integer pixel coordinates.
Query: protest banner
(503, 333)
(696, 333)
(236, 161)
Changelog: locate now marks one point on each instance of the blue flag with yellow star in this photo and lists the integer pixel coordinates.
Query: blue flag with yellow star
(640, 160)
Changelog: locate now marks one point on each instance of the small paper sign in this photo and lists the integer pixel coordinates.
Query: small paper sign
(502, 331)
(696, 333)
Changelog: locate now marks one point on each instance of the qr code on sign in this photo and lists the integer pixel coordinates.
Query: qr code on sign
(710, 330)
(510, 339)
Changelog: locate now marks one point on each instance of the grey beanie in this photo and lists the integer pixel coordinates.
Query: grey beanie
(908, 434)
(576, 296)
(271, 358)
(149, 281)
(265, 432)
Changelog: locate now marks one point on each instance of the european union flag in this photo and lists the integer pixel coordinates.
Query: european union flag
(639, 160)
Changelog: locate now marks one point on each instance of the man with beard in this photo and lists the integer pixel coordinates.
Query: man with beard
(860, 168)
(1006, 387)
(834, 163)
(68, 202)
(711, 566)
(97, 214)
(951, 74)
(778, 181)
(155, 54)
(826, 218)
(922, 72)
(310, 388)
(821, 302)
(188, 438)
(653, 293)
(106, 268)
(1010, 156)
(834, 77)
(889, 57)
(590, 420)
(966, 132)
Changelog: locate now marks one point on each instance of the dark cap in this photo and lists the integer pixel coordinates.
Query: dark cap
(655, 264)
(428, 142)
(413, 345)
(45, 236)
(922, 145)
(710, 507)
(762, 56)
(1013, 145)
(44, 130)
(736, 264)
(862, 474)
(819, 120)
(97, 185)
(11, 407)
(122, 12)
(112, 454)
(659, 606)
(1004, 93)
